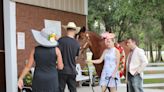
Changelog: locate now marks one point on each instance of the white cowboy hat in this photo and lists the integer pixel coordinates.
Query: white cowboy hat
(46, 37)
(71, 25)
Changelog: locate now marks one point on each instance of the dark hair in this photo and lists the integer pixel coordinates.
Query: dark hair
(134, 40)
(83, 29)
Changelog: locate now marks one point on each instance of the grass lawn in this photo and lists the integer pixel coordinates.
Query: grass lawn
(149, 81)
(154, 72)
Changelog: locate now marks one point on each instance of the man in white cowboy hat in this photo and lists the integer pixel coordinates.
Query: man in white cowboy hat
(69, 48)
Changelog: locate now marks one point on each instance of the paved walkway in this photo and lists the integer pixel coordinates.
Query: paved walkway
(120, 89)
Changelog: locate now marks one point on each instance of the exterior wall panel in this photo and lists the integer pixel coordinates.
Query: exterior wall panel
(75, 6)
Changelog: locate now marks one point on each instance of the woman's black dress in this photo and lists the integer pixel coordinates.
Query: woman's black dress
(45, 77)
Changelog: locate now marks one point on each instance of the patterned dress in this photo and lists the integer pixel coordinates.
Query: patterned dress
(108, 68)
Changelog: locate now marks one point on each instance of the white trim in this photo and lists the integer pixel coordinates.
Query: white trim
(63, 5)
(86, 7)
(10, 45)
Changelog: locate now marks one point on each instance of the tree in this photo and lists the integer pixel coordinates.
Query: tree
(140, 18)
(116, 15)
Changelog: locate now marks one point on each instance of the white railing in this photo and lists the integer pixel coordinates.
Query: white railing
(152, 73)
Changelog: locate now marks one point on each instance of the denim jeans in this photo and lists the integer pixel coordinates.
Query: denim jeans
(135, 83)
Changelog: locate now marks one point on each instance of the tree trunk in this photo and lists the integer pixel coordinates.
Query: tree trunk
(147, 49)
(123, 27)
(151, 52)
(119, 36)
(99, 29)
(108, 28)
(159, 53)
(162, 25)
(156, 52)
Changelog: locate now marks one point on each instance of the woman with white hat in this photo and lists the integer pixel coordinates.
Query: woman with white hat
(69, 48)
(48, 59)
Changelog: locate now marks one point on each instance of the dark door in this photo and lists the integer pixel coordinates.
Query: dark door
(2, 52)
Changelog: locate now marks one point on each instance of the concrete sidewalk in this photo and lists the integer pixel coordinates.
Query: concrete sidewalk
(120, 89)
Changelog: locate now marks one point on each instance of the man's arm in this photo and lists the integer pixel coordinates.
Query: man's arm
(143, 60)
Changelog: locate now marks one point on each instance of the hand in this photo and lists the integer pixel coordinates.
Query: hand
(20, 83)
(136, 73)
(126, 81)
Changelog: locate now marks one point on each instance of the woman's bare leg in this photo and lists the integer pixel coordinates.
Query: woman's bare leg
(113, 89)
(103, 88)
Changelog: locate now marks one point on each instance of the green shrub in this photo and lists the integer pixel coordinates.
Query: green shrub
(28, 80)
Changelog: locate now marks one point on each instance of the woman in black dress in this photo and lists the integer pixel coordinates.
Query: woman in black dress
(48, 59)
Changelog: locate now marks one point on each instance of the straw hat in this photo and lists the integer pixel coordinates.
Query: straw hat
(47, 36)
(71, 25)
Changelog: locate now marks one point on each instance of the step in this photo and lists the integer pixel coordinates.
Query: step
(147, 85)
(154, 85)
(153, 76)
(150, 64)
(158, 68)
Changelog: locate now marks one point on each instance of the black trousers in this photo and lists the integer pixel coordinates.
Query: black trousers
(68, 79)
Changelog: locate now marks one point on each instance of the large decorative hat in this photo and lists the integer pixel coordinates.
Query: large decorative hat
(47, 36)
(71, 25)
(107, 35)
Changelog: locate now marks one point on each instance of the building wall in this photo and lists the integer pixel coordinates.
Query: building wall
(76, 6)
(32, 17)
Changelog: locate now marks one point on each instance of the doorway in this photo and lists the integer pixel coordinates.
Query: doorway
(2, 52)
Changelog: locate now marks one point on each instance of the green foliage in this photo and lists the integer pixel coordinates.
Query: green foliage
(28, 80)
(143, 19)
(151, 81)
(91, 68)
(127, 17)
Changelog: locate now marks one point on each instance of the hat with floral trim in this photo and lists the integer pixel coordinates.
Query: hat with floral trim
(47, 37)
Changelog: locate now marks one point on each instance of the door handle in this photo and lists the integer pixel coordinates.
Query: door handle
(2, 51)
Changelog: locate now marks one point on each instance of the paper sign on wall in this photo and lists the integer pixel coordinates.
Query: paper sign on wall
(52, 24)
(20, 40)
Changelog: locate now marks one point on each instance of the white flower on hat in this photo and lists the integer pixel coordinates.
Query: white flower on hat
(47, 37)
(52, 37)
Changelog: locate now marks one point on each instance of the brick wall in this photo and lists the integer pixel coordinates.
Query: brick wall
(32, 17)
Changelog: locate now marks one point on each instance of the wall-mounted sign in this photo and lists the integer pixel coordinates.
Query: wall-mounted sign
(21, 40)
(52, 24)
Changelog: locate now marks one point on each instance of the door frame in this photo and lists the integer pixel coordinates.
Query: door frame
(9, 11)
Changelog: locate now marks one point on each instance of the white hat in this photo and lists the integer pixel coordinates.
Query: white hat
(46, 37)
(71, 25)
